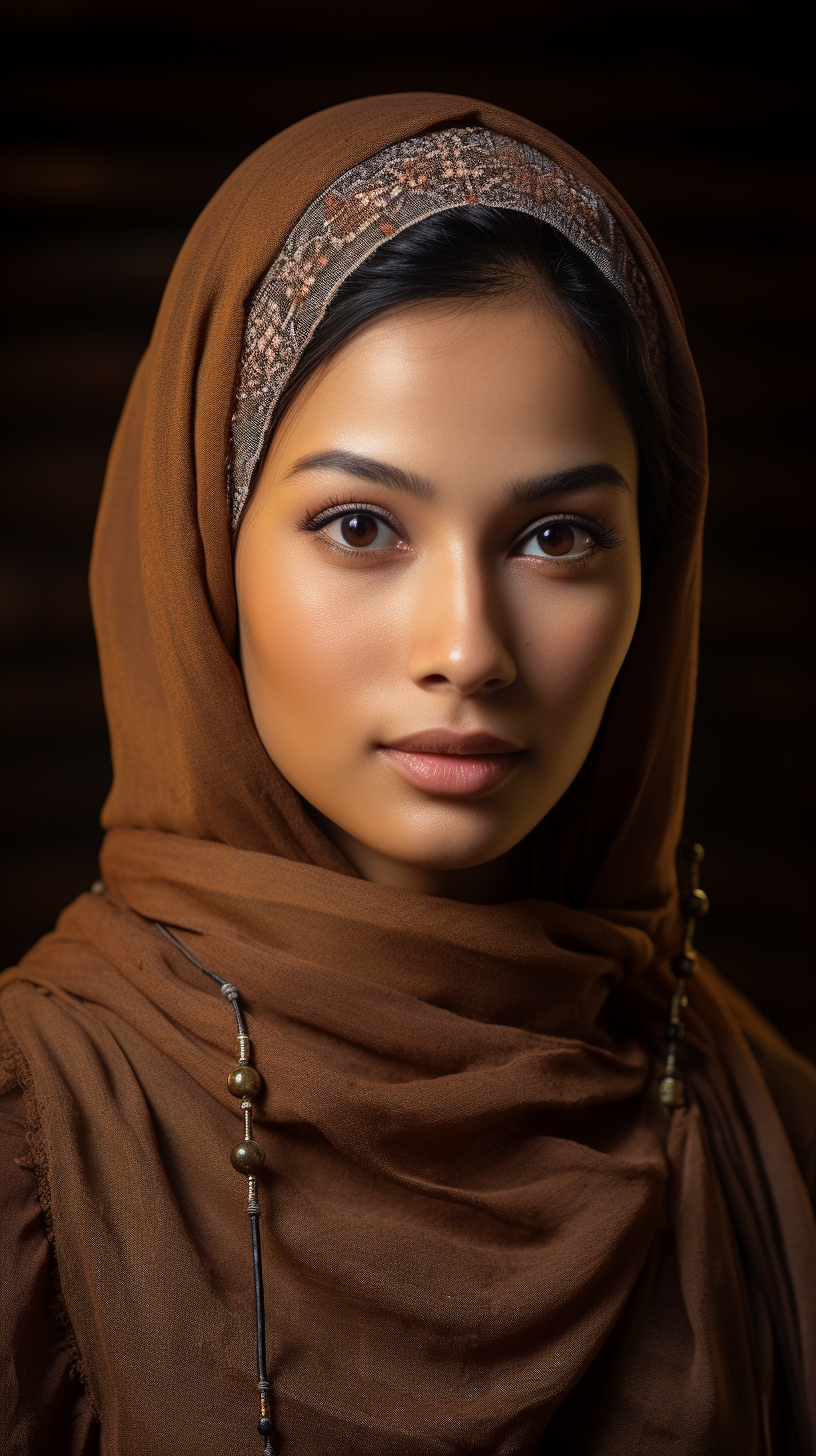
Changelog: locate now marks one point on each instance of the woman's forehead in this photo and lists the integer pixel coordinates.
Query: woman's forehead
(361, 210)
(497, 392)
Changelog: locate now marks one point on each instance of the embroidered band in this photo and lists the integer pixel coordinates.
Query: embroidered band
(369, 204)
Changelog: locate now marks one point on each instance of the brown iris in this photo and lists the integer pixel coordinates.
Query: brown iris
(556, 539)
(359, 530)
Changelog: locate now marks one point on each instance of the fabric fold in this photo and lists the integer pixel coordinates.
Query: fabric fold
(481, 1230)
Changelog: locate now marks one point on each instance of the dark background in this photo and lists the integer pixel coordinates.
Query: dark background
(122, 121)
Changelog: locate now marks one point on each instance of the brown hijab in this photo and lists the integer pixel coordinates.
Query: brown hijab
(480, 1224)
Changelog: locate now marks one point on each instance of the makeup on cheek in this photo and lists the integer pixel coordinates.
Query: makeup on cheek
(451, 1097)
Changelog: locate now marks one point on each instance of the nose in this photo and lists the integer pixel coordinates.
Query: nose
(459, 635)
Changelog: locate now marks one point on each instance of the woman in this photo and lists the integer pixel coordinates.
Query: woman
(395, 582)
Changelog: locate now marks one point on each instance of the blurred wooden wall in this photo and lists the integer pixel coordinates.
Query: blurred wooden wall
(119, 131)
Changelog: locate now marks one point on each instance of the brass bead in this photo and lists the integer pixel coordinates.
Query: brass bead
(696, 904)
(247, 1157)
(244, 1081)
(685, 965)
(672, 1091)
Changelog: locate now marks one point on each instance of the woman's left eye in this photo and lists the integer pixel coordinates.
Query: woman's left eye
(558, 539)
(362, 531)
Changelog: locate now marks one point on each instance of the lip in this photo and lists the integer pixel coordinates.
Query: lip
(447, 740)
(459, 765)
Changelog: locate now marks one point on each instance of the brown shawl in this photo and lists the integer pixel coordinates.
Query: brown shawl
(479, 1222)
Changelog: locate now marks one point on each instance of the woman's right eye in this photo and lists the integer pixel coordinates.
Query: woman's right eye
(362, 531)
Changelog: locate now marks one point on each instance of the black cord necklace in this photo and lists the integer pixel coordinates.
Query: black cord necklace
(694, 906)
(247, 1157)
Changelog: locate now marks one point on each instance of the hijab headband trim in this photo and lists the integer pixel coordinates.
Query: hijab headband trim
(403, 185)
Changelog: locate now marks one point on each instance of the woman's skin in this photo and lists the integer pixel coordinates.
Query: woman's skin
(395, 596)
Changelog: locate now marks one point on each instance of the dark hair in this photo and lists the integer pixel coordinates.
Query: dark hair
(479, 252)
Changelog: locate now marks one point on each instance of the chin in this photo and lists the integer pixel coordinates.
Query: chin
(447, 853)
(457, 834)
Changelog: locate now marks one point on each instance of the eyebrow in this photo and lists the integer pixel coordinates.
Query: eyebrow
(524, 492)
(520, 492)
(377, 472)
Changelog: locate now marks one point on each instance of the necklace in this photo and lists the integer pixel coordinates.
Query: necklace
(694, 906)
(247, 1157)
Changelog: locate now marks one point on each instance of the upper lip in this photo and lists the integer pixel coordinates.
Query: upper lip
(446, 740)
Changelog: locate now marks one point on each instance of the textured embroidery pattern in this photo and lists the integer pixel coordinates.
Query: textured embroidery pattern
(369, 204)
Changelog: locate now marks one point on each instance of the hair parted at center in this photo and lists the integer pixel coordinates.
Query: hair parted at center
(478, 253)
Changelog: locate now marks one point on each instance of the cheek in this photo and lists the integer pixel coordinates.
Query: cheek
(574, 649)
(314, 651)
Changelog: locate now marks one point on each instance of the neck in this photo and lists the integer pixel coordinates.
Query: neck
(500, 880)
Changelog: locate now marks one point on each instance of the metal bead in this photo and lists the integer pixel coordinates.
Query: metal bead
(672, 1091)
(685, 965)
(693, 853)
(247, 1157)
(696, 904)
(244, 1081)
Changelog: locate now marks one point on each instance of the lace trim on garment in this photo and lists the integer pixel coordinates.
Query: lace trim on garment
(382, 196)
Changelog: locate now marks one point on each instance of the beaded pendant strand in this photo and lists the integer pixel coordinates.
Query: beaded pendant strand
(694, 906)
(247, 1157)
(244, 1082)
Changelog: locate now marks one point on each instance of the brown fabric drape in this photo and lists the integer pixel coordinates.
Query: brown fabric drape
(481, 1229)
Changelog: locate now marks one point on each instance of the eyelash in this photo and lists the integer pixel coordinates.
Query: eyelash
(337, 508)
(604, 535)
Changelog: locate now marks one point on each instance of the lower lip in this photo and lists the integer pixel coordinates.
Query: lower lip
(450, 774)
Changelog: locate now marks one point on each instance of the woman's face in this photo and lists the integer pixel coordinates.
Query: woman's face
(438, 580)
